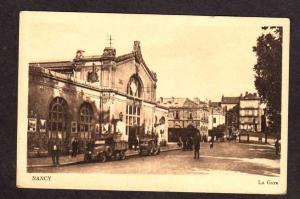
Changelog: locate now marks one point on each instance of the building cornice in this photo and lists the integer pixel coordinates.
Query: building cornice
(71, 80)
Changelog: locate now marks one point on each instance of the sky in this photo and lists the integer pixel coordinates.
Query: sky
(193, 56)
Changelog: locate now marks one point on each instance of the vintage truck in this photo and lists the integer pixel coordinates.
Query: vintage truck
(108, 147)
(149, 146)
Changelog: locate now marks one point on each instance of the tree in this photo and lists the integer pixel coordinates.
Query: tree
(268, 71)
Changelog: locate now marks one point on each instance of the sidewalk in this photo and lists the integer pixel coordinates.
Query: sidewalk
(68, 160)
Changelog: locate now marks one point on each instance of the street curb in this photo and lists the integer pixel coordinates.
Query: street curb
(81, 161)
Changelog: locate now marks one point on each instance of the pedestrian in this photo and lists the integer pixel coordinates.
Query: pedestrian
(74, 147)
(211, 143)
(89, 145)
(184, 143)
(197, 146)
(276, 147)
(55, 154)
(179, 143)
(156, 138)
(138, 141)
(191, 143)
(260, 138)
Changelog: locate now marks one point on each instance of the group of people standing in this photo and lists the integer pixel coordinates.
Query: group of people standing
(55, 151)
(190, 142)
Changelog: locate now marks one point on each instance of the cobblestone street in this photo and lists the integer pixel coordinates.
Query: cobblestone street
(256, 159)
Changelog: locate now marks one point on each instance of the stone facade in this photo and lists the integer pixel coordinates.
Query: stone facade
(250, 113)
(216, 115)
(185, 115)
(87, 96)
(243, 112)
(228, 103)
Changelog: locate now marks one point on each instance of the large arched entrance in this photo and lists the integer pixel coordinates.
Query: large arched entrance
(174, 133)
(133, 110)
(57, 123)
(191, 130)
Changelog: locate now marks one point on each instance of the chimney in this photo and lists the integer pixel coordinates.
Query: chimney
(161, 99)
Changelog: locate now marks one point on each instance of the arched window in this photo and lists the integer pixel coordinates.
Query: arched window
(190, 115)
(134, 87)
(57, 119)
(176, 114)
(162, 120)
(85, 117)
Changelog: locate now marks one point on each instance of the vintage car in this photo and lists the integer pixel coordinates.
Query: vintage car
(106, 148)
(149, 147)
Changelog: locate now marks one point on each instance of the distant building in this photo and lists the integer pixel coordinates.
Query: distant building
(230, 106)
(250, 112)
(216, 115)
(185, 116)
(228, 103)
(232, 118)
(243, 112)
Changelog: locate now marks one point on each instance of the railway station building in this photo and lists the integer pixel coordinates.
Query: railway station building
(86, 96)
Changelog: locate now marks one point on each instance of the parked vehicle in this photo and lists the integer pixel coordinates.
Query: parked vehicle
(105, 148)
(149, 147)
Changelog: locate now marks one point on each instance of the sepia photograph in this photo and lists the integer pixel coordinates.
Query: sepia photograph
(143, 102)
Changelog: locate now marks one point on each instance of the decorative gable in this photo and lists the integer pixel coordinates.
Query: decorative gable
(189, 103)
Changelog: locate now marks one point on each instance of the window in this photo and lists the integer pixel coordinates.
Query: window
(133, 116)
(176, 114)
(162, 120)
(250, 112)
(214, 120)
(85, 114)
(255, 112)
(134, 87)
(242, 112)
(57, 118)
(190, 115)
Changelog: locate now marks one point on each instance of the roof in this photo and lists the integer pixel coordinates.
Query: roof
(214, 104)
(198, 101)
(250, 96)
(136, 54)
(55, 64)
(178, 102)
(230, 100)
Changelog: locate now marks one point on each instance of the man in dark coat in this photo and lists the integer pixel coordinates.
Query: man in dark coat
(74, 147)
(190, 143)
(184, 143)
(277, 147)
(197, 146)
(55, 154)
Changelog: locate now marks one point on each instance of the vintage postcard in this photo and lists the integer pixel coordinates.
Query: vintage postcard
(153, 103)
